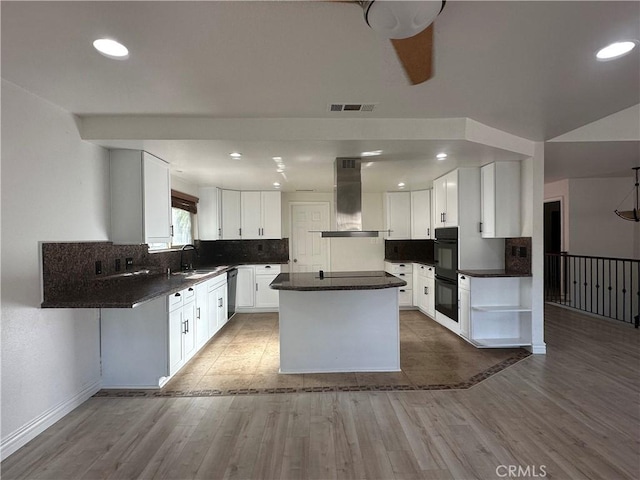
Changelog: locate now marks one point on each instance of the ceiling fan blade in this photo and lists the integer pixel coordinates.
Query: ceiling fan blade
(416, 55)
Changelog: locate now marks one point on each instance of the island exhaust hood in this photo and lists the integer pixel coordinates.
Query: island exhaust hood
(348, 200)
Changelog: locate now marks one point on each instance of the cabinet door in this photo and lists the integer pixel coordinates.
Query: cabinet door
(189, 329)
(421, 214)
(398, 211)
(488, 200)
(439, 201)
(221, 305)
(271, 215)
(421, 293)
(245, 286)
(464, 304)
(212, 313)
(157, 200)
(176, 356)
(202, 315)
(209, 213)
(251, 214)
(266, 296)
(451, 211)
(430, 306)
(230, 215)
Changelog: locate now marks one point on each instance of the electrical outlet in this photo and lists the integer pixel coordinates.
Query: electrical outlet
(98, 267)
(523, 252)
(118, 265)
(128, 262)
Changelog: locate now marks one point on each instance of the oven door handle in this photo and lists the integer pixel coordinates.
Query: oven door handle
(446, 280)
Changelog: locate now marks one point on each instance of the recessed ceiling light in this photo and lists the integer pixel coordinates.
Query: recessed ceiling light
(111, 49)
(281, 165)
(276, 159)
(235, 155)
(401, 185)
(615, 50)
(280, 170)
(373, 153)
(441, 156)
(276, 184)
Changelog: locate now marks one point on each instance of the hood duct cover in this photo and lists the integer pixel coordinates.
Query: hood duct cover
(348, 200)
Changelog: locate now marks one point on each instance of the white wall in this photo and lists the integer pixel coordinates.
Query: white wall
(589, 224)
(594, 228)
(346, 253)
(54, 188)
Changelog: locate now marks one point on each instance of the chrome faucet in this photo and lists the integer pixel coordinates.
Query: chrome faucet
(184, 265)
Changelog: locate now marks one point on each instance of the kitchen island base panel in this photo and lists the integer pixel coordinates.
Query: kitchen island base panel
(339, 331)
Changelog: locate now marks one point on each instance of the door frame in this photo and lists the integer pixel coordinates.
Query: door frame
(562, 218)
(322, 203)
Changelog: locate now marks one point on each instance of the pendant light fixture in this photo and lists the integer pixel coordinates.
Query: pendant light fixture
(632, 215)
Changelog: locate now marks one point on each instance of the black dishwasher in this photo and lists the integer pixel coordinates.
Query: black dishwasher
(232, 280)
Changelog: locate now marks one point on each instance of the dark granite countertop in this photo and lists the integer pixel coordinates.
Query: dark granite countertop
(311, 281)
(493, 273)
(128, 292)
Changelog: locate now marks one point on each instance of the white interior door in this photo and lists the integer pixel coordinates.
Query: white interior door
(309, 251)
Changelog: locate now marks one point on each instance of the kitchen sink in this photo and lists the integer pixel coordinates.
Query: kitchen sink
(199, 273)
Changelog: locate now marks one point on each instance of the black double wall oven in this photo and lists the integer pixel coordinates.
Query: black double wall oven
(446, 260)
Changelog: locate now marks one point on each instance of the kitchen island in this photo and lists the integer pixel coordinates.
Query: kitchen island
(339, 322)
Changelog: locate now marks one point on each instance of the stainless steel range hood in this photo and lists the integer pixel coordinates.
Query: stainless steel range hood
(348, 200)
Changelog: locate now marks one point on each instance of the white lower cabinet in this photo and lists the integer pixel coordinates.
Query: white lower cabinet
(254, 293)
(182, 328)
(143, 347)
(405, 272)
(495, 312)
(425, 289)
(464, 306)
(202, 315)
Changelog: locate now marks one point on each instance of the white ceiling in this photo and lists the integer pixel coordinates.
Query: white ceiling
(526, 68)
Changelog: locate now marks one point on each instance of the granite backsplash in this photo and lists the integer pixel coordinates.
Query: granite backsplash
(517, 255)
(69, 267)
(420, 251)
(225, 252)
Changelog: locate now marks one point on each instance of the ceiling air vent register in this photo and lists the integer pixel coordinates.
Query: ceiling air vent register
(352, 107)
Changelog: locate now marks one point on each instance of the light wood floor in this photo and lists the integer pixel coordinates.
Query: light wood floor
(572, 414)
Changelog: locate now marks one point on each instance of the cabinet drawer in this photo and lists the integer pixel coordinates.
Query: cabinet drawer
(175, 301)
(272, 269)
(464, 281)
(407, 277)
(188, 295)
(426, 271)
(405, 296)
(396, 268)
(216, 282)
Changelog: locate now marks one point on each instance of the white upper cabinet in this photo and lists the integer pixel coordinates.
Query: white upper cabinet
(251, 214)
(140, 198)
(261, 215)
(398, 215)
(500, 200)
(421, 214)
(445, 195)
(231, 215)
(271, 215)
(210, 213)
